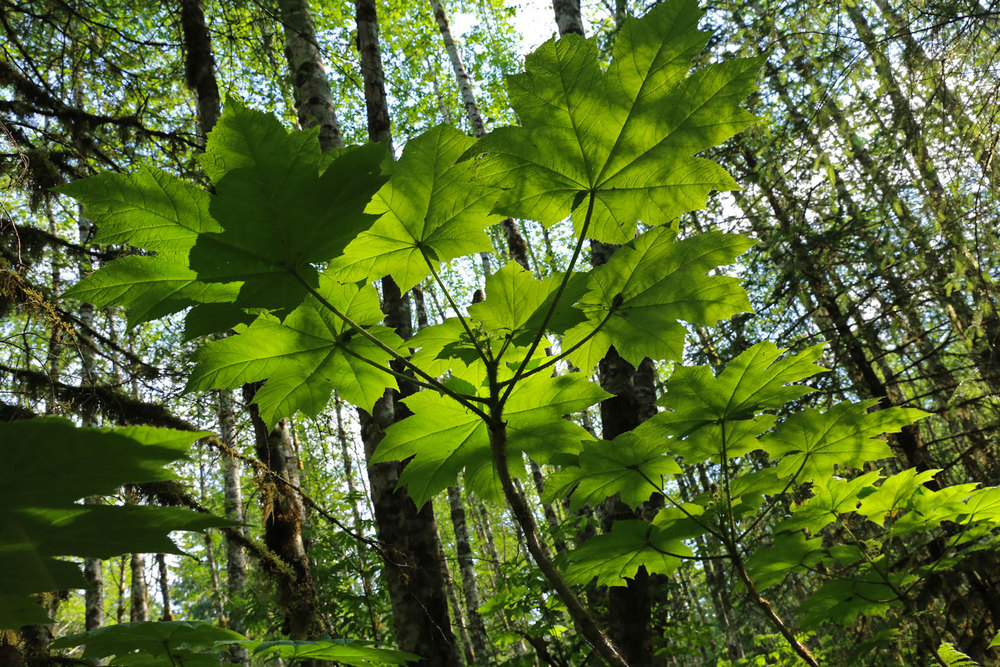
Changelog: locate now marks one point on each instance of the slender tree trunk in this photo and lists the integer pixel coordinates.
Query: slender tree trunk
(516, 245)
(199, 66)
(139, 599)
(236, 557)
(470, 589)
(415, 571)
(161, 566)
(313, 100)
(282, 512)
(366, 578)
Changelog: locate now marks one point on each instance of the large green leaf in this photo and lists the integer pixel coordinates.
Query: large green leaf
(148, 209)
(149, 287)
(444, 437)
(153, 643)
(306, 356)
(50, 464)
(812, 444)
(155, 211)
(281, 215)
(633, 465)
(650, 284)
(832, 496)
(430, 212)
(627, 135)
(710, 415)
(355, 653)
(617, 555)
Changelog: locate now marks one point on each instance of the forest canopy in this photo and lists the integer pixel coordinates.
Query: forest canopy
(365, 335)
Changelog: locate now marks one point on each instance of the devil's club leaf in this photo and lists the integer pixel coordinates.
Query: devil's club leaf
(617, 555)
(149, 287)
(148, 209)
(155, 211)
(354, 653)
(832, 497)
(166, 640)
(280, 214)
(49, 465)
(811, 444)
(444, 437)
(626, 136)
(305, 357)
(428, 207)
(650, 284)
(632, 465)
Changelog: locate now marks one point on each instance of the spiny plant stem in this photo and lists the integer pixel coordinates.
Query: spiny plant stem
(525, 519)
(775, 620)
(454, 306)
(555, 300)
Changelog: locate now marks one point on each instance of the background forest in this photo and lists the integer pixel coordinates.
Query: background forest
(869, 183)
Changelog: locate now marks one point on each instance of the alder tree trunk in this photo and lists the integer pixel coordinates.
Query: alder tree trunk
(282, 514)
(313, 99)
(633, 401)
(470, 589)
(199, 68)
(138, 609)
(414, 569)
(517, 247)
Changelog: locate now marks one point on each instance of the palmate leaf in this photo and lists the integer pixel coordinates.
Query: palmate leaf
(832, 496)
(617, 555)
(153, 643)
(444, 437)
(150, 287)
(355, 653)
(155, 211)
(51, 464)
(647, 286)
(148, 209)
(516, 303)
(790, 552)
(280, 212)
(630, 465)
(812, 444)
(429, 207)
(305, 357)
(710, 415)
(627, 135)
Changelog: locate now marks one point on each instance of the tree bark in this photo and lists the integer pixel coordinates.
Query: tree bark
(313, 99)
(470, 589)
(282, 513)
(415, 571)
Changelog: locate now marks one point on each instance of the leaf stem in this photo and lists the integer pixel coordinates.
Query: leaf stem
(432, 381)
(765, 606)
(525, 519)
(565, 353)
(454, 306)
(555, 300)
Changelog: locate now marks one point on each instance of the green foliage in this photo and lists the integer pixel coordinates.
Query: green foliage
(147, 644)
(354, 653)
(50, 465)
(624, 137)
(301, 235)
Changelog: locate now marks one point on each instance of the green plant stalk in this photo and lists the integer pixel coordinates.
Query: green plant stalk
(525, 519)
(800, 649)
(555, 300)
(454, 306)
